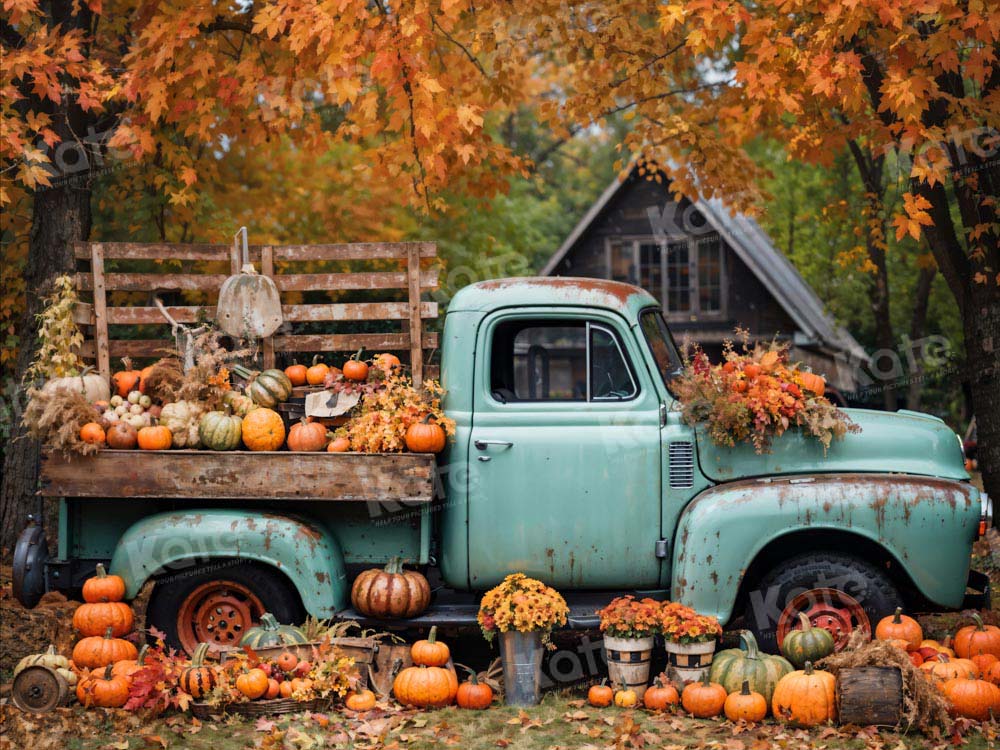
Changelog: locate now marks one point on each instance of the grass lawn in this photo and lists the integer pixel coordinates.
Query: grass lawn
(562, 721)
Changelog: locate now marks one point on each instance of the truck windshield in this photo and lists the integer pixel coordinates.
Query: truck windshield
(661, 344)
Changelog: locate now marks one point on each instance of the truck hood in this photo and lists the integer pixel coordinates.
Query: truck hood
(903, 442)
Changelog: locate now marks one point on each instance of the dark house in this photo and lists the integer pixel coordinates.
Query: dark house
(711, 270)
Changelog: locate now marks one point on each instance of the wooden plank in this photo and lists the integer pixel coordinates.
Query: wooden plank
(136, 348)
(304, 282)
(345, 342)
(83, 314)
(151, 282)
(267, 269)
(241, 475)
(101, 354)
(416, 325)
(349, 311)
(291, 253)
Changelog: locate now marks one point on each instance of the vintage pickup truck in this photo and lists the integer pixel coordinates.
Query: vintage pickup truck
(570, 463)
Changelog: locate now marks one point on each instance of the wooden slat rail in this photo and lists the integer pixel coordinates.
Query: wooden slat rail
(414, 277)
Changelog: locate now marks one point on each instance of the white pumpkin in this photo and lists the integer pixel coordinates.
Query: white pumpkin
(49, 658)
(181, 418)
(88, 383)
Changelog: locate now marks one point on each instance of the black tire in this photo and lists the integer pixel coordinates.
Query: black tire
(873, 590)
(276, 593)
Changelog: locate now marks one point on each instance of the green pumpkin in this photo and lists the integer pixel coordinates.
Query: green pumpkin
(270, 388)
(271, 633)
(220, 430)
(239, 403)
(762, 671)
(807, 644)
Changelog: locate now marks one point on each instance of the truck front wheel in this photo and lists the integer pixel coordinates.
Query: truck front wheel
(218, 603)
(837, 592)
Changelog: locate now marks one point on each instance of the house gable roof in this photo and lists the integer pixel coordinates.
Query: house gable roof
(752, 245)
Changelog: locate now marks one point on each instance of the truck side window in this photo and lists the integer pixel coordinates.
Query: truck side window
(661, 344)
(547, 360)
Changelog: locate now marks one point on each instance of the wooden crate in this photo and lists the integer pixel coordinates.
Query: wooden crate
(405, 270)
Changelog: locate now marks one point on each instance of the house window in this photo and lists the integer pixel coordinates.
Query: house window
(687, 276)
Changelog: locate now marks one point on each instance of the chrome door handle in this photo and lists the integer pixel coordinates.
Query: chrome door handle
(483, 444)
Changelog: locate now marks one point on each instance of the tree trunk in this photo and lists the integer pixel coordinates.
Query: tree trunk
(981, 322)
(60, 216)
(918, 329)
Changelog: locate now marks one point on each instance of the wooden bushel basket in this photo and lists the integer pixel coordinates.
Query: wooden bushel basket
(362, 650)
(870, 696)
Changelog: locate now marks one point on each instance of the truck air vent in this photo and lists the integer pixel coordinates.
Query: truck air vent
(681, 457)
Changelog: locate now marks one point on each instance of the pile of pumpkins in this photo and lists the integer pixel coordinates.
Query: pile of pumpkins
(130, 419)
(431, 681)
(745, 684)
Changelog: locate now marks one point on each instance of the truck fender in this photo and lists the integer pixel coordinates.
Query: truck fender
(927, 525)
(301, 549)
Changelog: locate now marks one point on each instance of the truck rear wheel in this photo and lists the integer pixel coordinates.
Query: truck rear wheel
(217, 604)
(837, 592)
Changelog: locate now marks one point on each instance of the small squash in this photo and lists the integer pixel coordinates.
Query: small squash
(126, 380)
(704, 699)
(239, 403)
(121, 436)
(268, 388)
(337, 444)
(805, 697)
(263, 430)
(430, 652)
(977, 639)
(600, 695)
(745, 705)
(93, 433)
(198, 679)
(102, 587)
(972, 698)
(993, 674)
(95, 618)
(386, 362)
(103, 689)
(316, 374)
(271, 633)
(807, 643)
(943, 668)
(220, 430)
(253, 684)
(182, 418)
(473, 694)
(99, 651)
(307, 435)
(660, 695)
(155, 438)
(425, 687)
(425, 436)
(355, 369)
(898, 625)
(48, 658)
(296, 374)
(626, 698)
(363, 700)
(983, 663)
(273, 689)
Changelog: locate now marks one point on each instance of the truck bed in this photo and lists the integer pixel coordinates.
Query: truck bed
(241, 475)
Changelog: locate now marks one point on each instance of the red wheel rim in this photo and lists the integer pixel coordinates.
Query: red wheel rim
(829, 609)
(218, 613)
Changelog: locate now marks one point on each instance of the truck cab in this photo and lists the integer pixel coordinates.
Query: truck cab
(570, 463)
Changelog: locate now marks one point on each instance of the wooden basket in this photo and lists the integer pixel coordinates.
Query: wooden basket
(362, 650)
(272, 707)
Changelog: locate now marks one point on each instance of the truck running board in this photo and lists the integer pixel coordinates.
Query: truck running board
(581, 617)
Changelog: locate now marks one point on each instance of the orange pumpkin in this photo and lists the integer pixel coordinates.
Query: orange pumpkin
(103, 587)
(287, 661)
(751, 369)
(355, 369)
(993, 674)
(814, 383)
(425, 687)
(96, 618)
(128, 667)
(392, 592)
(943, 668)
(103, 689)
(296, 373)
(745, 705)
(126, 380)
(805, 697)
(626, 698)
(363, 700)
(337, 444)
(273, 689)
(972, 698)
(252, 684)
(977, 639)
(99, 651)
(430, 652)
(121, 436)
(983, 663)
(285, 689)
(316, 374)
(144, 374)
(661, 695)
(704, 699)
(307, 436)
(155, 438)
(198, 679)
(425, 436)
(600, 695)
(263, 430)
(899, 626)
(473, 694)
(386, 362)
(93, 433)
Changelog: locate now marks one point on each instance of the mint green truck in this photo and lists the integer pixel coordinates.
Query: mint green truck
(570, 463)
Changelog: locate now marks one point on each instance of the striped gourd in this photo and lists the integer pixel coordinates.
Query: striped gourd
(271, 633)
(762, 671)
(807, 643)
(198, 679)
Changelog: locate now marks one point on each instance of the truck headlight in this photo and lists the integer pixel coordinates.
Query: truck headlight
(985, 513)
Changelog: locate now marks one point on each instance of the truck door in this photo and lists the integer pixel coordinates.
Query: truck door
(564, 455)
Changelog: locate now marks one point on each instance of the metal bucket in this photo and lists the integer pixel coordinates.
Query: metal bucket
(521, 654)
(628, 662)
